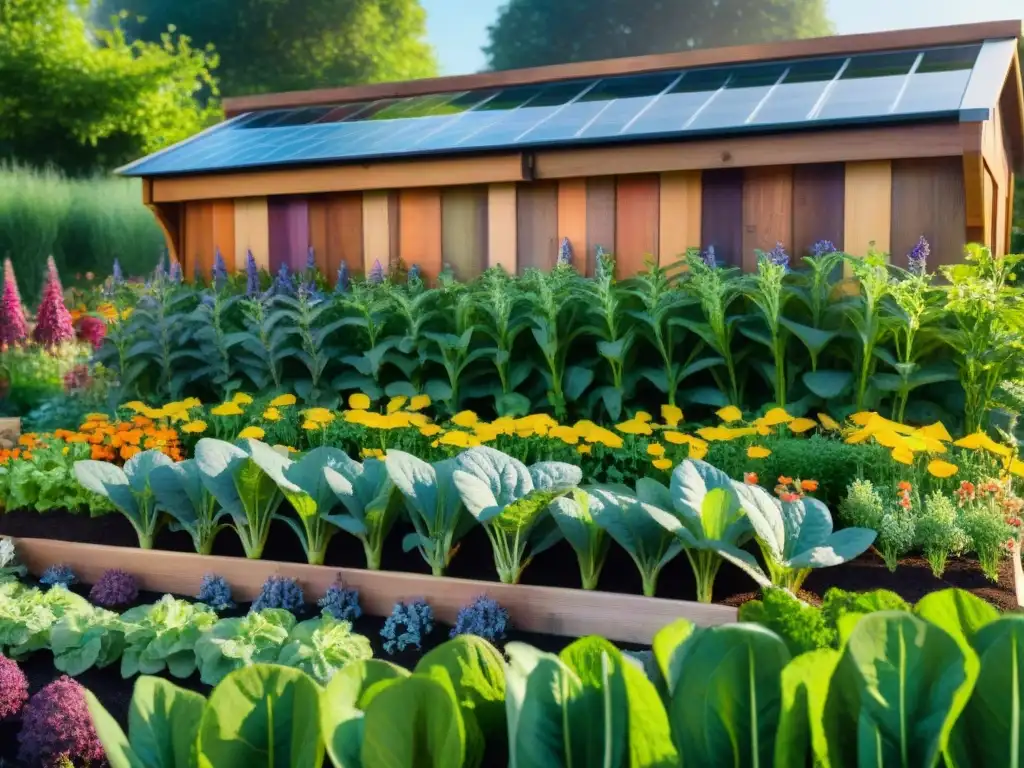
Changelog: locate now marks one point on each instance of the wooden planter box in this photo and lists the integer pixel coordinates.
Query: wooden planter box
(546, 610)
(10, 431)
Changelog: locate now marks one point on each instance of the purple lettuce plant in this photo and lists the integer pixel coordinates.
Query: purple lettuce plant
(376, 275)
(483, 618)
(917, 259)
(343, 279)
(53, 321)
(565, 253)
(56, 723)
(252, 276)
(280, 592)
(709, 257)
(13, 688)
(13, 327)
(114, 588)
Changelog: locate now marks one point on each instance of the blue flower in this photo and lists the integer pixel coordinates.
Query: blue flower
(413, 277)
(176, 276)
(483, 618)
(342, 284)
(407, 625)
(220, 270)
(709, 257)
(117, 276)
(215, 592)
(565, 253)
(280, 592)
(823, 247)
(341, 603)
(252, 275)
(376, 275)
(778, 256)
(917, 259)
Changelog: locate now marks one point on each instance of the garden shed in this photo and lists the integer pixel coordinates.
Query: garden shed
(872, 138)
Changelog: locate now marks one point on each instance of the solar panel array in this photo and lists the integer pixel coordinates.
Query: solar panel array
(872, 87)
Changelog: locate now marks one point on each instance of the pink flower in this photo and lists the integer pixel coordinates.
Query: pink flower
(92, 329)
(13, 328)
(53, 321)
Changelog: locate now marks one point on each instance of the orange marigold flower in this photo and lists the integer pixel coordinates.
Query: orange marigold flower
(783, 480)
(809, 485)
(904, 485)
(750, 478)
(790, 497)
(127, 451)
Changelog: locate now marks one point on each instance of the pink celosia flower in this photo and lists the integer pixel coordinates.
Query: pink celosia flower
(92, 329)
(53, 321)
(13, 328)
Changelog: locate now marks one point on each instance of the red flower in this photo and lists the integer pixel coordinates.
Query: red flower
(790, 497)
(750, 478)
(92, 330)
(53, 321)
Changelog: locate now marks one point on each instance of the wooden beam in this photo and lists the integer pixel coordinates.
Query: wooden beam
(680, 216)
(347, 178)
(502, 227)
(549, 610)
(933, 140)
(821, 46)
(975, 179)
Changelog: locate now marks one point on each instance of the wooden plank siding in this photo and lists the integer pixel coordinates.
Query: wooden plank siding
(767, 212)
(537, 225)
(376, 230)
(502, 227)
(420, 230)
(819, 196)
(224, 230)
(928, 199)
(572, 218)
(288, 218)
(252, 232)
(600, 218)
(464, 230)
(679, 217)
(867, 207)
(637, 208)
(336, 232)
(722, 215)
(198, 240)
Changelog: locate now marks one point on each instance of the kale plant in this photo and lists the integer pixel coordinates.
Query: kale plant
(801, 626)
(280, 592)
(407, 625)
(484, 618)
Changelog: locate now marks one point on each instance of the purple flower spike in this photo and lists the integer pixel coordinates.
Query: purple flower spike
(53, 321)
(283, 283)
(917, 259)
(176, 276)
(117, 276)
(414, 277)
(709, 257)
(376, 275)
(565, 253)
(310, 259)
(342, 285)
(220, 270)
(252, 275)
(823, 247)
(778, 256)
(13, 327)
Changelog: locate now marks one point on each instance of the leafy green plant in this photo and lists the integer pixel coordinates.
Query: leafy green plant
(801, 626)
(865, 315)
(938, 532)
(510, 501)
(578, 524)
(163, 636)
(504, 318)
(85, 639)
(305, 485)
(27, 615)
(231, 644)
(371, 500)
(128, 489)
(47, 481)
(769, 294)
(322, 646)
(180, 492)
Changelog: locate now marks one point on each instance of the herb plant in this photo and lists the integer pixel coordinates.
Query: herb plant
(407, 625)
(280, 592)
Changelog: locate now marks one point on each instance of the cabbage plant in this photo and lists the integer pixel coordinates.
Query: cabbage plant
(128, 489)
(322, 646)
(510, 501)
(371, 501)
(231, 644)
(796, 537)
(180, 492)
(433, 504)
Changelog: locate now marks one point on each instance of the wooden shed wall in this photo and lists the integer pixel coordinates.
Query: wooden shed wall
(636, 217)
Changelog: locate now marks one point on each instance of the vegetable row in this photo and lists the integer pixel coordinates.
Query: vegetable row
(703, 513)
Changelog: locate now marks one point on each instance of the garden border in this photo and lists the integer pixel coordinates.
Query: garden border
(548, 610)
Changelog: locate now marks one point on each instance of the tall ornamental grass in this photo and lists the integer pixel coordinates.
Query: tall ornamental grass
(83, 223)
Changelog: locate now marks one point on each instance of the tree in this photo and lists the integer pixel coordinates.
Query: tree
(287, 45)
(86, 100)
(532, 33)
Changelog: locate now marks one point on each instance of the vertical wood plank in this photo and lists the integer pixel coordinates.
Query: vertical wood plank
(198, 238)
(819, 193)
(252, 232)
(537, 225)
(722, 214)
(991, 211)
(464, 230)
(1008, 231)
(394, 228)
(637, 207)
(679, 218)
(767, 211)
(318, 238)
(572, 218)
(928, 199)
(600, 218)
(420, 230)
(224, 230)
(867, 207)
(502, 227)
(376, 229)
(289, 232)
(345, 233)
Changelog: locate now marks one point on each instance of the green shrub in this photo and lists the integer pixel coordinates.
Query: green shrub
(839, 603)
(938, 531)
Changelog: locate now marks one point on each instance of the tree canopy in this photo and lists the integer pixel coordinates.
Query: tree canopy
(84, 99)
(285, 45)
(532, 33)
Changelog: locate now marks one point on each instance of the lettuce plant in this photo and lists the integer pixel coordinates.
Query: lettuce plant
(10, 568)
(795, 537)
(56, 727)
(307, 489)
(13, 688)
(434, 506)
(245, 479)
(578, 524)
(371, 501)
(86, 639)
(128, 489)
(322, 646)
(180, 492)
(163, 636)
(235, 643)
(510, 501)
(27, 615)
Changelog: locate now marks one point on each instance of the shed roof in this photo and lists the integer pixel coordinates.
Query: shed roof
(946, 73)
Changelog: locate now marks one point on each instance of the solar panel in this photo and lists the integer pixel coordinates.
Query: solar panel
(706, 101)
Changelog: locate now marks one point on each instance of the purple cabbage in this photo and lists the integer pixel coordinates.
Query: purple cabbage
(483, 618)
(917, 259)
(56, 723)
(13, 688)
(115, 588)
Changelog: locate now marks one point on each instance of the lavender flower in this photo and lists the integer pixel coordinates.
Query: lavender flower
(341, 603)
(917, 259)
(215, 591)
(778, 256)
(252, 275)
(117, 276)
(483, 618)
(176, 276)
(600, 257)
(823, 247)
(342, 284)
(310, 259)
(283, 283)
(159, 273)
(376, 275)
(709, 257)
(565, 253)
(197, 274)
(220, 270)
(280, 592)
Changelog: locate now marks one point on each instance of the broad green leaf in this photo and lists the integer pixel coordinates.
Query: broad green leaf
(477, 673)
(602, 703)
(589, 541)
(828, 385)
(813, 338)
(575, 381)
(139, 467)
(805, 682)
(667, 643)
(115, 744)
(958, 612)
(163, 722)
(342, 706)
(109, 481)
(650, 735)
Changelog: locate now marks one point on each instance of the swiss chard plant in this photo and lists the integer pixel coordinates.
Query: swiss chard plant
(305, 486)
(322, 646)
(163, 636)
(128, 489)
(510, 501)
(180, 492)
(576, 516)
(371, 501)
(231, 644)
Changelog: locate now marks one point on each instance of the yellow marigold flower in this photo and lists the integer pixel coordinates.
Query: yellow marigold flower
(272, 414)
(419, 402)
(283, 400)
(485, 432)
(254, 433)
(801, 425)
(758, 452)
(776, 416)
(698, 450)
(505, 425)
(320, 415)
(604, 436)
(135, 405)
(729, 413)
(227, 409)
(194, 427)
(643, 416)
(662, 463)
(1017, 467)
(980, 441)
(634, 427)
(241, 398)
(430, 430)
(584, 449)
(828, 422)
(762, 429)
(656, 449)
(396, 402)
(359, 401)
(857, 437)
(584, 427)
(191, 402)
(862, 418)
(567, 435)
(311, 426)
(456, 438)
(676, 438)
(940, 468)
(671, 415)
(714, 433)
(97, 417)
(525, 433)
(418, 419)
(465, 419)
(903, 455)
(890, 439)
(936, 431)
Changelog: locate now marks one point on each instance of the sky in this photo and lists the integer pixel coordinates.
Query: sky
(458, 28)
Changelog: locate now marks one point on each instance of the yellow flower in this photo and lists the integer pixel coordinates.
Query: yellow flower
(458, 439)
(567, 435)
(272, 414)
(97, 417)
(656, 449)
(311, 425)
(862, 418)
(319, 415)
(282, 400)
(372, 453)
(775, 416)
(465, 419)
(251, 432)
(584, 427)
(642, 416)
(671, 415)
(430, 430)
(758, 452)
(604, 436)
(227, 409)
(903, 455)
(729, 413)
(486, 432)
(634, 427)
(936, 431)
(698, 450)
(359, 401)
(828, 422)
(583, 449)
(676, 438)
(419, 402)
(801, 425)
(396, 403)
(662, 463)
(194, 427)
(241, 398)
(940, 468)
(135, 405)
(980, 441)
(505, 425)
(418, 419)
(1017, 467)
(726, 433)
